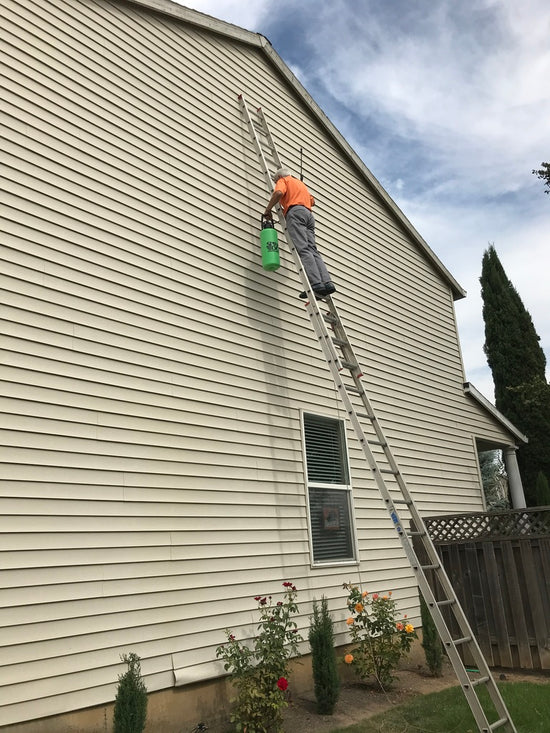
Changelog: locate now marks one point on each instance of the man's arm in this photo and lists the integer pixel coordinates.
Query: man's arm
(276, 196)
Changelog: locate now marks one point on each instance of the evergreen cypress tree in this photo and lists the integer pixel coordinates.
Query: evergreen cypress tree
(431, 643)
(518, 365)
(130, 712)
(542, 488)
(323, 658)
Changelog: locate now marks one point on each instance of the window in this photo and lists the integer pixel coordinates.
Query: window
(329, 490)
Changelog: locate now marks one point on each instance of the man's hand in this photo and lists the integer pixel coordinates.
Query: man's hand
(276, 196)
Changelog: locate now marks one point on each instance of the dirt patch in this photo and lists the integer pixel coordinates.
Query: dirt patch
(360, 701)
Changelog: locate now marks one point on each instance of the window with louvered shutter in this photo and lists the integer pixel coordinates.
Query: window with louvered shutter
(329, 490)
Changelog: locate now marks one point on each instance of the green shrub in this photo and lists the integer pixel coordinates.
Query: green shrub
(259, 674)
(379, 640)
(323, 658)
(131, 698)
(431, 643)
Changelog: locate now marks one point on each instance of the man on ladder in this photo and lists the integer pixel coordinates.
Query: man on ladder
(297, 203)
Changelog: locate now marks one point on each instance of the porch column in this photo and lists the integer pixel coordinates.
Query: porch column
(514, 479)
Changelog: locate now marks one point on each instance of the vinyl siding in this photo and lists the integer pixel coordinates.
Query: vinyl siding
(153, 374)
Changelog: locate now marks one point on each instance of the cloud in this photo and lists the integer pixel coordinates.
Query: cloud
(248, 15)
(462, 80)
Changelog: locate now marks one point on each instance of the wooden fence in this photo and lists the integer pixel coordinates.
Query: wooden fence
(499, 566)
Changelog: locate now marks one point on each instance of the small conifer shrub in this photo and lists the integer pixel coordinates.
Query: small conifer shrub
(431, 643)
(131, 698)
(323, 657)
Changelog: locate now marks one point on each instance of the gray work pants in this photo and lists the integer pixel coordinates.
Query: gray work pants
(301, 228)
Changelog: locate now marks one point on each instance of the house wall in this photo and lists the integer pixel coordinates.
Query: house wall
(153, 374)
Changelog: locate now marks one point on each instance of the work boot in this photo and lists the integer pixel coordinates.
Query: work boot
(319, 291)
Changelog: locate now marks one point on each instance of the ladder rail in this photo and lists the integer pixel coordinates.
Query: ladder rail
(338, 367)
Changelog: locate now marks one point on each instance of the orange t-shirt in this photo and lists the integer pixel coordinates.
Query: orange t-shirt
(294, 192)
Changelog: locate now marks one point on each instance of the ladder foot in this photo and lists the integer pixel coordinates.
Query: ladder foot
(480, 681)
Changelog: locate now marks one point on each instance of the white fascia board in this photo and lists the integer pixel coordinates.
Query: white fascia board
(195, 17)
(487, 405)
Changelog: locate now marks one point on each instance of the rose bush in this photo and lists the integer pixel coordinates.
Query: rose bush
(259, 671)
(379, 641)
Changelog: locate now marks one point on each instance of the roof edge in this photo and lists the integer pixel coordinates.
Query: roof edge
(487, 405)
(208, 22)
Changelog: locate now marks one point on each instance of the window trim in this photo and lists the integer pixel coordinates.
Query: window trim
(347, 488)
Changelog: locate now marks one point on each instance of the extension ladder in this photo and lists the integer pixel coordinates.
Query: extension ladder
(347, 374)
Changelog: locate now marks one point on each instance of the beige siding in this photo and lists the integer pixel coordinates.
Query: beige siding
(153, 374)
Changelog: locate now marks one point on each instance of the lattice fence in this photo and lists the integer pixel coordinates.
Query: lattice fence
(499, 566)
(489, 526)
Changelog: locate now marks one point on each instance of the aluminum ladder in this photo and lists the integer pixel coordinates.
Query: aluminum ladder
(347, 374)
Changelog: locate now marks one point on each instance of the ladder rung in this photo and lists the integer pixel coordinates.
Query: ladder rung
(434, 566)
(416, 533)
(366, 416)
(389, 470)
(498, 723)
(355, 390)
(456, 642)
(339, 342)
(480, 681)
(350, 365)
(448, 602)
(406, 502)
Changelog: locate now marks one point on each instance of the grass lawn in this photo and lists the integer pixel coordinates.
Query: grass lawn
(448, 712)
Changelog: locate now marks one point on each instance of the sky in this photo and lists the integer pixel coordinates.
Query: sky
(447, 102)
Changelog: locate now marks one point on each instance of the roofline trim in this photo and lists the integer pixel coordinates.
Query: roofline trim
(195, 17)
(487, 405)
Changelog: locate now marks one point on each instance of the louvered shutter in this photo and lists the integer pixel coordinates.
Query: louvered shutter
(329, 506)
(326, 463)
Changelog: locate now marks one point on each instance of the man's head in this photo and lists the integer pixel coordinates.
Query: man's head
(280, 173)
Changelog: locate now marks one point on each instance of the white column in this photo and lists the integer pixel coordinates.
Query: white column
(514, 479)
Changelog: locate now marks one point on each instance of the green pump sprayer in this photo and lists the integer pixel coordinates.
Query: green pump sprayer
(270, 245)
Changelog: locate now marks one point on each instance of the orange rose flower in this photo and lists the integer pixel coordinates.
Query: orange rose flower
(399, 626)
(348, 659)
(364, 594)
(409, 628)
(359, 607)
(349, 621)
